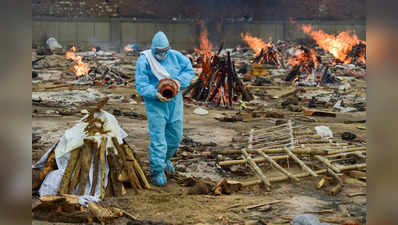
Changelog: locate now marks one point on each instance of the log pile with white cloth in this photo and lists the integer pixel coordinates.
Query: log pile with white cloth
(91, 159)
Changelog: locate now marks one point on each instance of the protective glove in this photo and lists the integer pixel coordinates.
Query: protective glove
(161, 98)
(178, 84)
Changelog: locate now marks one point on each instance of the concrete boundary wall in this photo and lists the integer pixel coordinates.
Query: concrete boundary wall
(115, 33)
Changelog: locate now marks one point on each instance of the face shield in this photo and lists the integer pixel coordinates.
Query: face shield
(161, 53)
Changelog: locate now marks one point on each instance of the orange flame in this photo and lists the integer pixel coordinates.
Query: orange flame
(255, 43)
(362, 57)
(314, 58)
(339, 46)
(80, 68)
(302, 57)
(127, 49)
(204, 43)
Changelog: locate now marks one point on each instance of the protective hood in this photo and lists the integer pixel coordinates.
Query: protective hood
(160, 41)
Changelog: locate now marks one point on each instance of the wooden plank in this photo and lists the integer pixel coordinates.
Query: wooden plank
(137, 166)
(66, 179)
(102, 162)
(128, 165)
(86, 156)
(115, 169)
(96, 153)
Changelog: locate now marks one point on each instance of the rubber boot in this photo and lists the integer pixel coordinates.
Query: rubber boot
(159, 178)
(169, 167)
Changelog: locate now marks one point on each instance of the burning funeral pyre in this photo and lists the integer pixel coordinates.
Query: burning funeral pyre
(344, 47)
(91, 159)
(218, 83)
(266, 52)
(99, 74)
(310, 66)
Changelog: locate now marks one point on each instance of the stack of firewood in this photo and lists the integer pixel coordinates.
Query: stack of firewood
(99, 152)
(218, 82)
(123, 167)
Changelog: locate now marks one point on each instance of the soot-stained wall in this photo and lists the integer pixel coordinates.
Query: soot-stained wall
(203, 9)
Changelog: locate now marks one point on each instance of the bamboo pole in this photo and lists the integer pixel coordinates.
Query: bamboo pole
(301, 163)
(96, 153)
(321, 183)
(283, 142)
(333, 174)
(342, 159)
(102, 156)
(333, 152)
(270, 139)
(339, 155)
(274, 146)
(359, 155)
(254, 166)
(281, 137)
(336, 189)
(327, 163)
(269, 143)
(66, 179)
(256, 160)
(257, 170)
(303, 151)
(86, 156)
(269, 128)
(301, 175)
(299, 151)
(276, 165)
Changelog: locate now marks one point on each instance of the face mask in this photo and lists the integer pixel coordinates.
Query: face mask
(161, 54)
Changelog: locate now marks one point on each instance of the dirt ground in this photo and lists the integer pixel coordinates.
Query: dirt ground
(173, 205)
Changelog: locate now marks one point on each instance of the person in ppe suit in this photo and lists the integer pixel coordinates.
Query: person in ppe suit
(165, 116)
